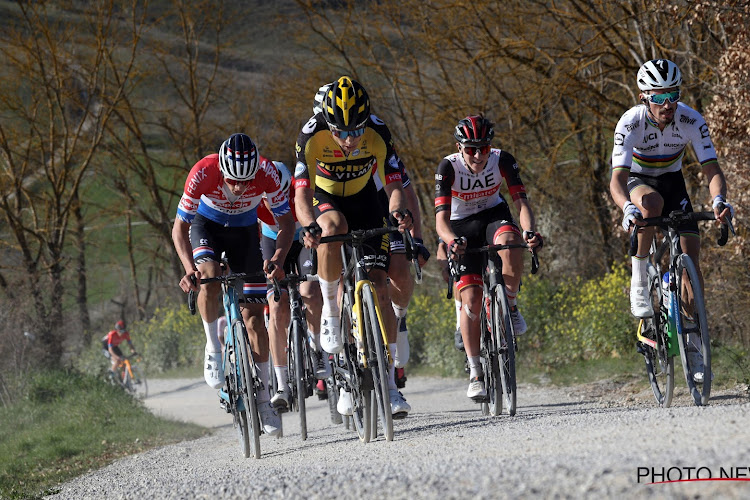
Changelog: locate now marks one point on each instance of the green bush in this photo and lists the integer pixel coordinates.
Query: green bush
(432, 322)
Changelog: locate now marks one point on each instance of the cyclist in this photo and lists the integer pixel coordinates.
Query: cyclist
(400, 280)
(443, 263)
(647, 180)
(217, 213)
(339, 151)
(279, 312)
(471, 212)
(111, 344)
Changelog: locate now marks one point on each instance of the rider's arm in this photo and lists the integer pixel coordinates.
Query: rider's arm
(412, 203)
(181, 240)
(284, 237)
(303, 205)
(618, 186)
(443, 226)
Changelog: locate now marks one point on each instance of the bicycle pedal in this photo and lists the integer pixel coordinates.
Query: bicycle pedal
(399, 415)
(481, 399)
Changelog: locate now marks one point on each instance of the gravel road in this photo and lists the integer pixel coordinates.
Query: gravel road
(600, 440)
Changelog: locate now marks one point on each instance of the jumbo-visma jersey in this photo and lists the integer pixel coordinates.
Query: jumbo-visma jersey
(321, 164)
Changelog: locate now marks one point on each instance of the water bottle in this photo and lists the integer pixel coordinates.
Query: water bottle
(665, 289)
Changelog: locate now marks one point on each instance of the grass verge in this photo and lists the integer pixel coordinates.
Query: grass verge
(67, 423)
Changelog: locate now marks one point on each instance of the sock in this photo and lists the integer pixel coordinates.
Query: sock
(640, 269)
(511, 296)
(314, 340)
(282, 373)
(475, 366)
(458, 313)
(263, 376)
(392, 371)
(398, 310)
(330, 290)
(212, 335)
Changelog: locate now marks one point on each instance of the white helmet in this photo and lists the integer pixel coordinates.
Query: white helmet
(285, 177)
(659, 74)
(318, 102)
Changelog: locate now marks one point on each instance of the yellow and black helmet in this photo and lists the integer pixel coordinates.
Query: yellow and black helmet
(346, 105)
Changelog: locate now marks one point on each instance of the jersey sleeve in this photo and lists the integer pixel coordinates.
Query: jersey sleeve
(443, 185)
(622, 151)
(304, 168)
(700, 138)
(510, 172)
(391, 170)
(201, 176)
(278, 200)
(404, 177)
(264, 213)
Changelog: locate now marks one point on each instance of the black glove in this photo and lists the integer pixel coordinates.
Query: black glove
(421, 249)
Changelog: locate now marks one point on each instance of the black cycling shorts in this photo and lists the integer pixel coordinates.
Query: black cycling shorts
(242, 247)
(298, 259)
(671, 187)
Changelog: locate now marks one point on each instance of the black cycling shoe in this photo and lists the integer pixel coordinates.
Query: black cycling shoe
(458, 340)
(400, 378)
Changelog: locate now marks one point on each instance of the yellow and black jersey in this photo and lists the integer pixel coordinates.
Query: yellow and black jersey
(322, 165)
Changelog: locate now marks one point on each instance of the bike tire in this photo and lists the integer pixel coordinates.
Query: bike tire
(506, 342)
(356, 382)
(378, 361)
(493, 404)
(232, 376)
(127, 382)
(686, 268)
(140, 383)
(300, 376)
(248, 388)
(659, 362)
(333, 392)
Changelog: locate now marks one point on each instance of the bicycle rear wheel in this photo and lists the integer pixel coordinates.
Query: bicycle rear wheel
(378, 361)
(694, 336)
(297, 352)
(248, 387)
(140, 384)
(506, 345)
(654, 344)
(493, 405)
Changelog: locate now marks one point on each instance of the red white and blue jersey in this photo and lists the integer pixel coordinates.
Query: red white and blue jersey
(207, 194)
(465, 193)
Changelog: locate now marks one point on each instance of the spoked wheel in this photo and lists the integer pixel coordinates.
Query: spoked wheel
(695, 340)
(358, 382)
(299, 381)
(248, 388)
(493, 405)
(139, 382)
(333, 395)
(378, 362)
(236, 401)
(506, 342)
(655, 344)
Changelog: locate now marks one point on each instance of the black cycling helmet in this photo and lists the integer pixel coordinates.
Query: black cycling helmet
(474, 130)
(346, 105)
(238, 158)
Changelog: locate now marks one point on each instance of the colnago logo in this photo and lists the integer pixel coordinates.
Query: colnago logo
(486, 193)
(195, 180)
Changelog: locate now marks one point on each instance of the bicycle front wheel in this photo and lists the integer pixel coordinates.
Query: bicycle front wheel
(140, 384)
(378, 361)
(298, 353)
(248, 387)
(694, 338)
(493, 404)
(360, 387)
(654, 344)
(506, 345)
(236, 401)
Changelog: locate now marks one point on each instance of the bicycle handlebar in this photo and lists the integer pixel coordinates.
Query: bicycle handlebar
(675, 219)
(229, 278)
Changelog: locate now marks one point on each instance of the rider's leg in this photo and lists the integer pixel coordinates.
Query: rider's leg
(651, 204)
(400, 289)
(509, 234)
(332, 223)
(252, 313)
(278, 322)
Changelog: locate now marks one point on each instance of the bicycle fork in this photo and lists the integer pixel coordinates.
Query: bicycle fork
(358, 315)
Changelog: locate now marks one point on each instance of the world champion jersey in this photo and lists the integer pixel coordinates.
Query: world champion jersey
(207, 194)
(321, 164)
(642, 148)
(465, 193)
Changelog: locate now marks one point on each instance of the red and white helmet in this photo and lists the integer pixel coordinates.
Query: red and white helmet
(474, 130)
(120, 326)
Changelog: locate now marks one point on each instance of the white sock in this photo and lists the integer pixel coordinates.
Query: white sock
(282, 372)
(263, 376)
(458, 313)
(511, 296)
(640, 269)
(475, 366)
(314, 339)
(392, 371)
(398, 310)
(212, 335)
(330, 290)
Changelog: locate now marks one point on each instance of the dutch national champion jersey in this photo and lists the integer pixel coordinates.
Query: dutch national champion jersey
(642, 148)
(323, 165)
(207, 194)
(465, 193)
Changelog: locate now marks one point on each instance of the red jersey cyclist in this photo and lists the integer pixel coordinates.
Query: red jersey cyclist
(647, 180)
(471, 212)
(339, 150)
(217, 213)
(111, 344)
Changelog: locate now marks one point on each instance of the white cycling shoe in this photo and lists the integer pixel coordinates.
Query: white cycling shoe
(344, 405)
(398, 403)
(212, 369)
(269, 419)
(640, 301)
(330, 334)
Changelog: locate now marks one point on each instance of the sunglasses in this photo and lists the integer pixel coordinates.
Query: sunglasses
(343, 134)
(233, 182)
(472, 150)
(660, 99)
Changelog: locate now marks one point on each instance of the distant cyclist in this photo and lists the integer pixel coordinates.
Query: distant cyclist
(647, 179)
(339, 151)
(217, 213)
(471, 212)
(111, 345)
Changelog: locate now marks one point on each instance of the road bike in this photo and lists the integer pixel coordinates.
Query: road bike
(132, 377)
(242, 383)
(362, 366)
(679, 324)
(301, 368)
(498, 346)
